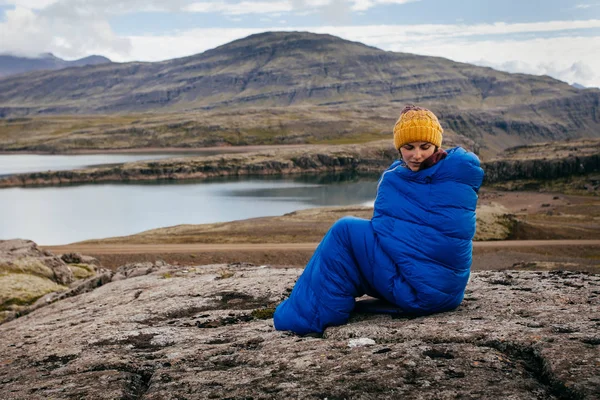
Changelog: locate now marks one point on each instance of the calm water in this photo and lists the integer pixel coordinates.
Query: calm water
(24, 163)
(60, 215)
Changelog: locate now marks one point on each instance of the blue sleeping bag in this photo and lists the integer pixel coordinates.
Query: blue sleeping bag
(415, 252)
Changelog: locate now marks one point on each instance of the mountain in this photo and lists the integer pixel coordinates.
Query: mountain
(301, 74)
(12, 65)
(578, 85)
(274, 69)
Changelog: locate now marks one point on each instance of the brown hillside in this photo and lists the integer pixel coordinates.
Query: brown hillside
(313, 78)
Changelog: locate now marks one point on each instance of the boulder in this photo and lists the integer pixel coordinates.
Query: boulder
(31, 277)
(137, 269)
(23, 256)
(178, 333)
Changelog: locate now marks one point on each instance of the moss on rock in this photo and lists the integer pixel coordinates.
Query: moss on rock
(82, 271)
(18, 290)
(263, 313)
(27, 265)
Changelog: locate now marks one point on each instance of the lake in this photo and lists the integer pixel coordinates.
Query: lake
(66, 214)
(25, 163)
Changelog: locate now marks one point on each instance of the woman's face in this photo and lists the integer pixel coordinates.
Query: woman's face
(415, 153)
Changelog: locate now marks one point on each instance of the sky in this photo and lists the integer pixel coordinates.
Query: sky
(559, 38)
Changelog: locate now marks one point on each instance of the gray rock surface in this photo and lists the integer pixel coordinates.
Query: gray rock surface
(14, 252)
(136, 269)
(31, 278)
(199, 333)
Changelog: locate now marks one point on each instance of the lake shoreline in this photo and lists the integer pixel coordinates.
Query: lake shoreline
(519, 220)
(272, 161)
(161, 150)
(541, 163)
(85, 212)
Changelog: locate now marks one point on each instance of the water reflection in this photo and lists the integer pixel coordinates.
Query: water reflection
(318, 195)
(11, 164)
(58, 215)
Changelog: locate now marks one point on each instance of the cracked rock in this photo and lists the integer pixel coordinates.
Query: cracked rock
(113, 342)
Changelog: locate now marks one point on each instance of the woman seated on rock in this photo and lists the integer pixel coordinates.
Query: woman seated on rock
(415, 252)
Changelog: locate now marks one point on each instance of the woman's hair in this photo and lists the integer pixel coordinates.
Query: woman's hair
(400, 152)
(410, 107)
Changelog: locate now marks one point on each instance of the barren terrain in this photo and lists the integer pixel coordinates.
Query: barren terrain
(510, 227)
(282, 88)
(166, 332)
(190, 317)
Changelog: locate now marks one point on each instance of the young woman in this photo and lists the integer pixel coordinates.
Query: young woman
(415, 252)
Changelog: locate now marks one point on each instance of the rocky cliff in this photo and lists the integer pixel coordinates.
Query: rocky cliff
(328, 159)
(541, 162)
(161, 332)
(567, 167)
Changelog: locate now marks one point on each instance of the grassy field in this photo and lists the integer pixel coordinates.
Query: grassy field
(213, 128)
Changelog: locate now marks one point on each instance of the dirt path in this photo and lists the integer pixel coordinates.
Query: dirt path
(580, 255)
(201, 247)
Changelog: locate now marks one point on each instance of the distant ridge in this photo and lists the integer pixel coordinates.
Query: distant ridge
(313, 73)
(275, 69)
(13, 65)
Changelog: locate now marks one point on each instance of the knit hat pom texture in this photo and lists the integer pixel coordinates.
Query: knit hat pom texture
(417, 124)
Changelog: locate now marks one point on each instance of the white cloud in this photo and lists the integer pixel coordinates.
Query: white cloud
(158, 48)
(364, 5)
(394, 33)
(301, 7)
(568, 58)
(243, 7)
(69, 28)
(31, 4)
(205, 6)
(577, 72)
(97, 8)
(64, 36)
(587, 5)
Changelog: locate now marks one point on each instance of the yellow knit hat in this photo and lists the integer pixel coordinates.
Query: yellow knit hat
(417, 124)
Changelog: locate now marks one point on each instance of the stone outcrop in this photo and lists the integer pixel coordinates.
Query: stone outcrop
(207, 332)
(23, 256)
(329, 159)
(31, 278)
(543, 162)
(500, 171)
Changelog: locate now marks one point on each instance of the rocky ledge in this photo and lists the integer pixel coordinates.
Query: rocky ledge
(543, 162)
(314, 160)
(31, 278)
(162, 332)
(546, 161)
